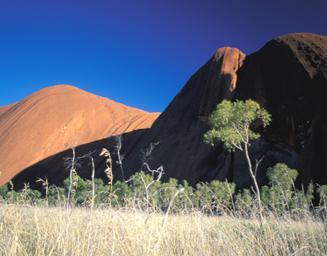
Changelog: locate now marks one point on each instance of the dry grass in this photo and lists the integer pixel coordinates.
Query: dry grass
(26, 230)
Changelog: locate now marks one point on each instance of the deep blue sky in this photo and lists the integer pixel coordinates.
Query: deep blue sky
(136, 52)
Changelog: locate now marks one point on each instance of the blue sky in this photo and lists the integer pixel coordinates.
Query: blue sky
(137, 52)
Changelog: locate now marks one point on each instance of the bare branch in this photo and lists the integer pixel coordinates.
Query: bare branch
(257, 164)
(237, 146)
(120, 157)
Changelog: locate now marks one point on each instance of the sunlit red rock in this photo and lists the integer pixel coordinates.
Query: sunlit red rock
(57, 118)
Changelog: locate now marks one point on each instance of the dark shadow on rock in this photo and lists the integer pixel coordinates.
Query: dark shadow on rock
(53, 168)
(287, 76)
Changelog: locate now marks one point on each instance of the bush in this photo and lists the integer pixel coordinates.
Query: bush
(322, 190)
(280, 175)
(215, 197)
(121, 194)
(147, 192)
(244, 202)
(280, 196)
(56, 195)
(3, 191)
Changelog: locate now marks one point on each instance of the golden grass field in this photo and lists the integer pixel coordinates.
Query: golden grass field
(29, 230)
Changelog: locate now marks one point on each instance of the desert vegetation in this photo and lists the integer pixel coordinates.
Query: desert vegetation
(148, 214)
(165, 218)
(231, 124)
(79, 231)
(145, 192)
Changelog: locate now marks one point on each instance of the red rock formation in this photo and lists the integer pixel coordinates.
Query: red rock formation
(3, 109)
(180, 128)
(288, 76)
(231, 59)
(57, 118)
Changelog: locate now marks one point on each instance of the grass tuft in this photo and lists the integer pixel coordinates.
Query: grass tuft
(26, 230)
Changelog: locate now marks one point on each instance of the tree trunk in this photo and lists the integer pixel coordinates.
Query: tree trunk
(71, 177)
(256, 186)
(93, 184)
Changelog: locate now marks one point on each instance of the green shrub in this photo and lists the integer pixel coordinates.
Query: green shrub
(184, 200)
(146, 192)
(244, 202)
(121, 195)
(280, 175)
(322, 190)
(3, 191)
(215, 197)
(279, 197)
(223, 192)
(56, 195)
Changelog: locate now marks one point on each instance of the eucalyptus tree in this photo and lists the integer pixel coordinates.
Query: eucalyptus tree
(232, 124)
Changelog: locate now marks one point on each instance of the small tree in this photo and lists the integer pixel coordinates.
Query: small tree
(231, 123)
(280, 196)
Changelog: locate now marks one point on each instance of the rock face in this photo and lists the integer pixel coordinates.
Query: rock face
(5, 108)
(287, 76)
(179, 130)
(57, 118)
(57, 171)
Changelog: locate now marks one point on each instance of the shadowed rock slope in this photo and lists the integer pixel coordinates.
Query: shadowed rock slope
(57, 118)
(287, 76)
(178, 132)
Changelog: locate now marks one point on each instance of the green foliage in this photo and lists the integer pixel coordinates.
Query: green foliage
(282, 197)
(145, 192)
(184, 200)
(56, 195)
(282, 176)
(81, 194)
(322, 190)
(223, 191)
(165, 192)
(266, 195)
(25, 195)
(101, 192)
(203, 196)
(3, 191)
(281, 194)
(230, 123)
(244, 202)
(121, 194)
(216, 196)
(144, 187)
